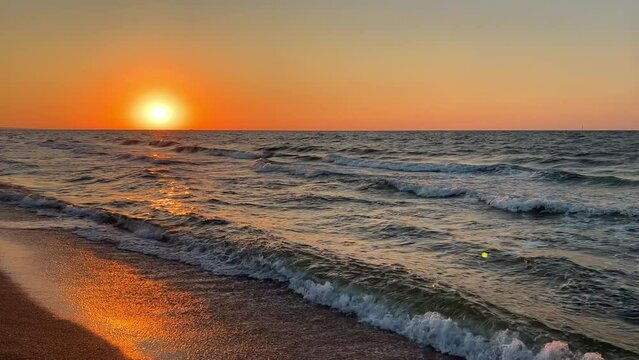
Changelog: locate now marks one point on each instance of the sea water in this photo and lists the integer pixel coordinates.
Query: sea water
(487, 245)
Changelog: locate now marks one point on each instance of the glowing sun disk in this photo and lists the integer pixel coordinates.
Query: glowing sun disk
(158, 111)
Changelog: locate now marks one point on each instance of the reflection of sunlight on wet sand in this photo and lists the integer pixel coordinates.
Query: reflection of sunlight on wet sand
(135, 313)
(142, 315)
(126, 318)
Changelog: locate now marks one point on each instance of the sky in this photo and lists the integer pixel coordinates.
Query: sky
(321, 65)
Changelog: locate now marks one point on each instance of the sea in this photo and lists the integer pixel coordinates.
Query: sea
(486, 245)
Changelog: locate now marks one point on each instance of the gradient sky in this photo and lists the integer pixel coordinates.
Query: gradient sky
(538, 64)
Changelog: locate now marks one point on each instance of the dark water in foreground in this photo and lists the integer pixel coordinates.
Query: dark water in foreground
(387, 226)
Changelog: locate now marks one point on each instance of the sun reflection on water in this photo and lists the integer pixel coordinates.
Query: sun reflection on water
(172, 193)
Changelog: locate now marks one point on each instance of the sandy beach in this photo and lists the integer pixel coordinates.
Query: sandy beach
(28, 331)
(85, 299)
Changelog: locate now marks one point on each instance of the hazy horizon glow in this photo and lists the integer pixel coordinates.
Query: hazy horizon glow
(322, 65)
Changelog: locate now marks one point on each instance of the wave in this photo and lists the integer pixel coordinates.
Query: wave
(221, 257)
(308, 157)
(513, 204)
(550, 174)
(394, 230)
(264, 165)
(9, 167)
(84, 179)
(360, 150)
(190, 148)
(236, 154)
(419, 167)
(138, 226)
(581, 159)
(426, 191)
(295, 148)
(543, 205)
(16, 163)
(311, 198)
(567, 279)
(568, 176)
(540, 205)
(149, 159)
(54, 144)
(130, 142)
(163, 143)
(73, 146)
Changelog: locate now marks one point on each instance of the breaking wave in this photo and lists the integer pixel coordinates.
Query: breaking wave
(224, 258)
(549, 174)
(509, 203)
(419, 167)
(542, 205)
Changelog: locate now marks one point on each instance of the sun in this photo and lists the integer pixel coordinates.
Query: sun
(158, 111)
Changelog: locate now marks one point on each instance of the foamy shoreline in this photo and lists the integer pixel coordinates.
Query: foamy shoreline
(150, 308)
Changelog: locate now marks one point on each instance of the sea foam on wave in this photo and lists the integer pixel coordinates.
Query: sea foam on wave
(429, 328)
(509, 203)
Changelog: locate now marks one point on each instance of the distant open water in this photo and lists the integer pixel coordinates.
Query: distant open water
(389, 226)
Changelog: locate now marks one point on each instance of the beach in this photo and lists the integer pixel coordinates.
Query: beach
(66, 297)
(28, 331)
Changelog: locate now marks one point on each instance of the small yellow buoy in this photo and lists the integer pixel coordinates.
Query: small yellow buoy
(484, 255)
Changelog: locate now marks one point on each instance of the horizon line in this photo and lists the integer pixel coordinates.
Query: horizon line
(310, 130)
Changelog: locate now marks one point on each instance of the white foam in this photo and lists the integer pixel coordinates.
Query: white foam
(430, 328)
(544, 204)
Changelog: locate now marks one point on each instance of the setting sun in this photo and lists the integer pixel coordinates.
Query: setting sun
(158, 111)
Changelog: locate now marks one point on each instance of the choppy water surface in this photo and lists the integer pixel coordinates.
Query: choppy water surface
(388, 226)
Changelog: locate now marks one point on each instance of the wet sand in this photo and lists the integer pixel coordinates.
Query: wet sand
(153, 308)
(28, 331)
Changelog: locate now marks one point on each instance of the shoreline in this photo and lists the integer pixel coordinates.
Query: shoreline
(149, 307)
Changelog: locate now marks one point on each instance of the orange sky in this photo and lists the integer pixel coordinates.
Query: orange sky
(323, 64)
